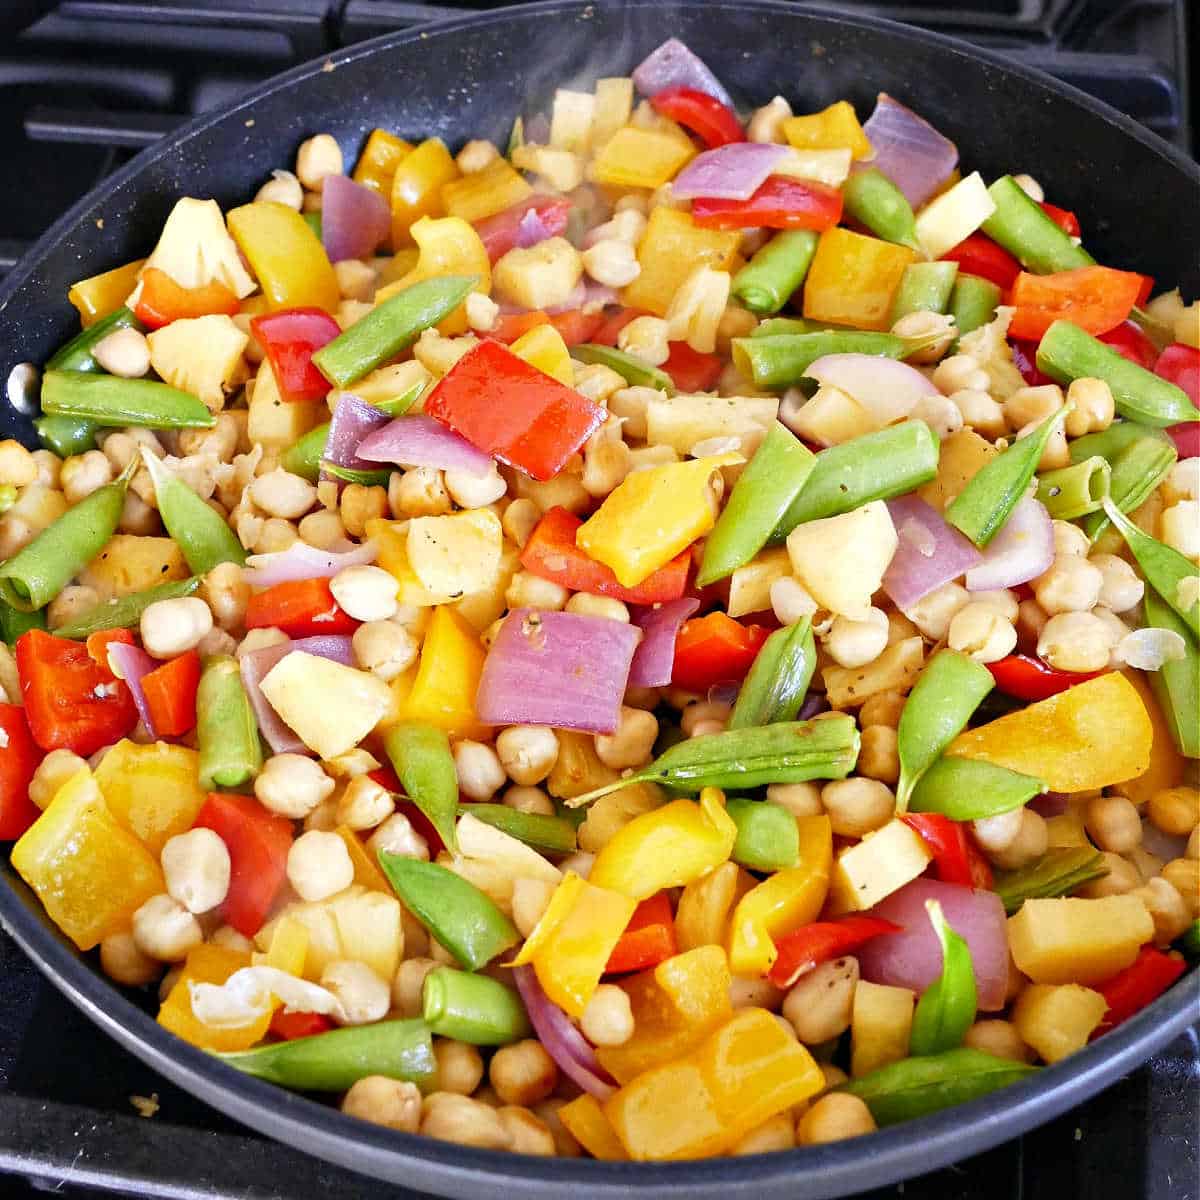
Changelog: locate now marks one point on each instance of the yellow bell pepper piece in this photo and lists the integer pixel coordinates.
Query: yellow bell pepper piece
(675, 1007)
(1094, 734)
(570, 946)
(98, 295)
(443, 692)
(783, 901)
(587, 1124)
(485, 193)
(209, 964)
(672, 247)
(578, 768)
(641, 158)
(90, 874)
(702, 917)
(651, 516)
(289, 261)
(399, 265)
(377, 164)
(853, 278)
(1167, 765)
(366, 873)
(543, 347)
(153, 790)
(667, 847)
(289, 947)
(833, 128)
(702, 1104)
(417, 187)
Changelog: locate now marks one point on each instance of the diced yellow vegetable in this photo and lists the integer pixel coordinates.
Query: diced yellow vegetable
(540, 276)
(683, 421)
(882, 863)
(643, 158)
(543, 347)
(750, 586)
(366, 873)
(1167, 766)
(288, 950)
(195, 248)
(571, 120)
(705, 905)
(895, 670)
(377, 163)
(481, 609)
(287, 256)
(494, 860)
(485, 193)
(671, 248)
(369, 930)
(209, 964)
(1057, 1021)
(832, 128)
(391, 537)
(1066, 829)
(853, 279)
(587, 1124)
(830, 166)
(954, 215)
(99, 295)
(393, 381)
(1071, 940)
(578, 768)
(614, 104)
(417, 187)
(960, 457)
(324, 941)
(153, 789)
(611, 813)
(130, 563)
(455, 555)
(880, 1026)
(276, 424)
(443, 692)
(448, 246)
(201, 355)
(832, 417)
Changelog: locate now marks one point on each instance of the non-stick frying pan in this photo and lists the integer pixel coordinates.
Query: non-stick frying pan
(1140, 204)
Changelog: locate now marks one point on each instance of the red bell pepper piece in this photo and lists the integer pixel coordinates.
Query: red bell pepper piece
(1096, 299)
(499, 233)
(1143, 981)
(551, 553)
(811, 945)
(288, 1026)
(99, 642)
(715, 649)
(258, 842)
(691, 370)
(510, 326)
(574, 326)
(19, 758)
(607, 334)
(513, 411)
(979, 255)
(1129, 341)
(1180, 365)
(649, 938)
(781, 203)
(956, 858)
(1066, 220)
(1028, 678)
(300, 607)
(162, 300)
(170, 692)
(711, 121)
(289, 339)
(71, 701)
(1186, 437)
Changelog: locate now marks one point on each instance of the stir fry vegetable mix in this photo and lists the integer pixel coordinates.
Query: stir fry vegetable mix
(677, 640)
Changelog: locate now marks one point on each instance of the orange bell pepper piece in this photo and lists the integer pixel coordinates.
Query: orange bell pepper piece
(587, 1124)
(170, 692)
(648, 938)
(209, 964)
(162, 300)
(853, 278)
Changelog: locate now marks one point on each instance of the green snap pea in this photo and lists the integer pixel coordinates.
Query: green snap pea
(946, 693)
(916, 1087)
(768, 838)
(780, 325)
(66, 436)
(1059, 872)
(969, 789)
(1136, 472)
(781, 361)
(982, 507)
(472, 1008)
(1171, 575)
(226, 731)
(313, 221)
(38, 572)
(110, 400)
(1190, 941)
(873, 200)
(1076, 490)
(200, 533)
(543, 832)
(77, 355)
(1108, 443)
(1066, 353)
(632, 369)
(973, 302)
(391, 327)
(876, 466)
(764, 284)
(764, 492)
(948, 1005)
(1027, 233)
(456, 912)
(124, 612)
(367, 478)
(738, 759)
(924, 287)
(303, 457)
(775, 688)
(1176, 683)
(421, 757)
(337, 1060)
(14, 622)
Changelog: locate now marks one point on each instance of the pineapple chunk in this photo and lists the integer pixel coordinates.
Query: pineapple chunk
(493, 861)
(456, 555)
(954, 215)
(682, 421)
(1057, 1021)
(614, 105)
(571, 122)
(392, 382)
(540, 276)
(880, 1026)
(324, 943)
(882, 863)
(481, 609)
(369, 929)
(201, 355)
(610, 814)
(1078, 941)
(832, 417)
(274, 423)
(960, 457)
(129, 563)
(750, 586)
(195, 248)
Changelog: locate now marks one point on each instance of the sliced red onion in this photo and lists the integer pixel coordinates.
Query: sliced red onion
(887, 389)
(1166, 846)
(420, 441)
(733, 172)
(562, 1041)
(908, 150)
(337, 647)
(1021, 551)
(912, 958)
(302, 561)
(654, 659)
(531, 229)
(1186, 437)
(352, 420)
(598, 295)
(1049, 804)
(130, 663)
(559, 669)
(929, 552)
(814, 703)
(674, 65)
(537, 129)
(354, 219)
(574, 299)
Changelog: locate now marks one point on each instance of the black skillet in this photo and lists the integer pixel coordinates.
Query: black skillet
(1139, 201)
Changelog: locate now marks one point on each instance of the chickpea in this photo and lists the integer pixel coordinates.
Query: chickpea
(355, 280)
(996, 834)
(527, 590)
(124, 963)
(360, 504)
(52, 772)
(833, 1117)
(292, 785)
(322, 529)
(565, 1145)
(397, 836)
(49, 467)
(1071, 584)
(1076, 641)
(480, 773)
(384, 648)
(747, 992)
(979, 411)
(998, 1038)
(1030, 187)
(1147, 865)
(366, 593)
(476, 155)
(172, 627)
(523, 1073)
(646, 337)
(469, 490)
(883, 708)
(453, 1118)
(983, 632)
(704, 710)
(82, 474)
(1032, 405)
(1179, 528)
(124, 352)
(276, 534)
(459, 1066)
(482, 312)
(318, 157)
(958, 372)
(282, 188)
(529, 800)
(777, 1133)
(1029, 844)
(409, 984)
(1120, 588)
(319, 865)
(164, 929)
(879, 756)
(17, 466)
(519, 520)
(1167, 908)
(608, 1018)
(856, 643)
(1122, 877)
(227, 936)
(527, 1132)
(633, 742)
(940, 413)
(282, 494)
(820, 1002)
(790, 600)
(933, 613)
(858, 806)
(1175, 810)
(530, 899)
(611, 262)
(364, 804)
(800, 799)
(393, 1103)
(587, 605)
(766, 123)
(922, 325)
(528, 752)
(1183, 874)
(1113, 824)
(363, 996)
(196, 869)
(1069, 540)
(1094, 408)
(226, 593)
(606, 459)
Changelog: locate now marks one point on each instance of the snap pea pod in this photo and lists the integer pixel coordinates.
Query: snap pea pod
(124, 612)
(422, 760)
(916, 1087)
(632, 369)
(456, 912)
(335, 1061)
(764, 284)
(1108, 443)
(226, 731)
(738, 759)
(924, 287)
(973, 302)
(555, 834)
(768, 838)
(390, 327)
(946, 693)
(313, 221)
(1136, 472)
(471, 1008)
(873, 200)
(1176, 683)
(876, 466)
(200, 533)
(1025, 231)
(110, 400)
(1076, 490)
(66, 436)
(781, 361)
(367, 478)
(1190, 941)
(948, 1005)
(765, 490)
(1059, 872)
(39, 571)
(982, 507)
(969, 789)
(779, 325)
(1171, 575)
(303, 457)
(14, 622)
(775, 688)
(1066, 353)
(77, 355)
